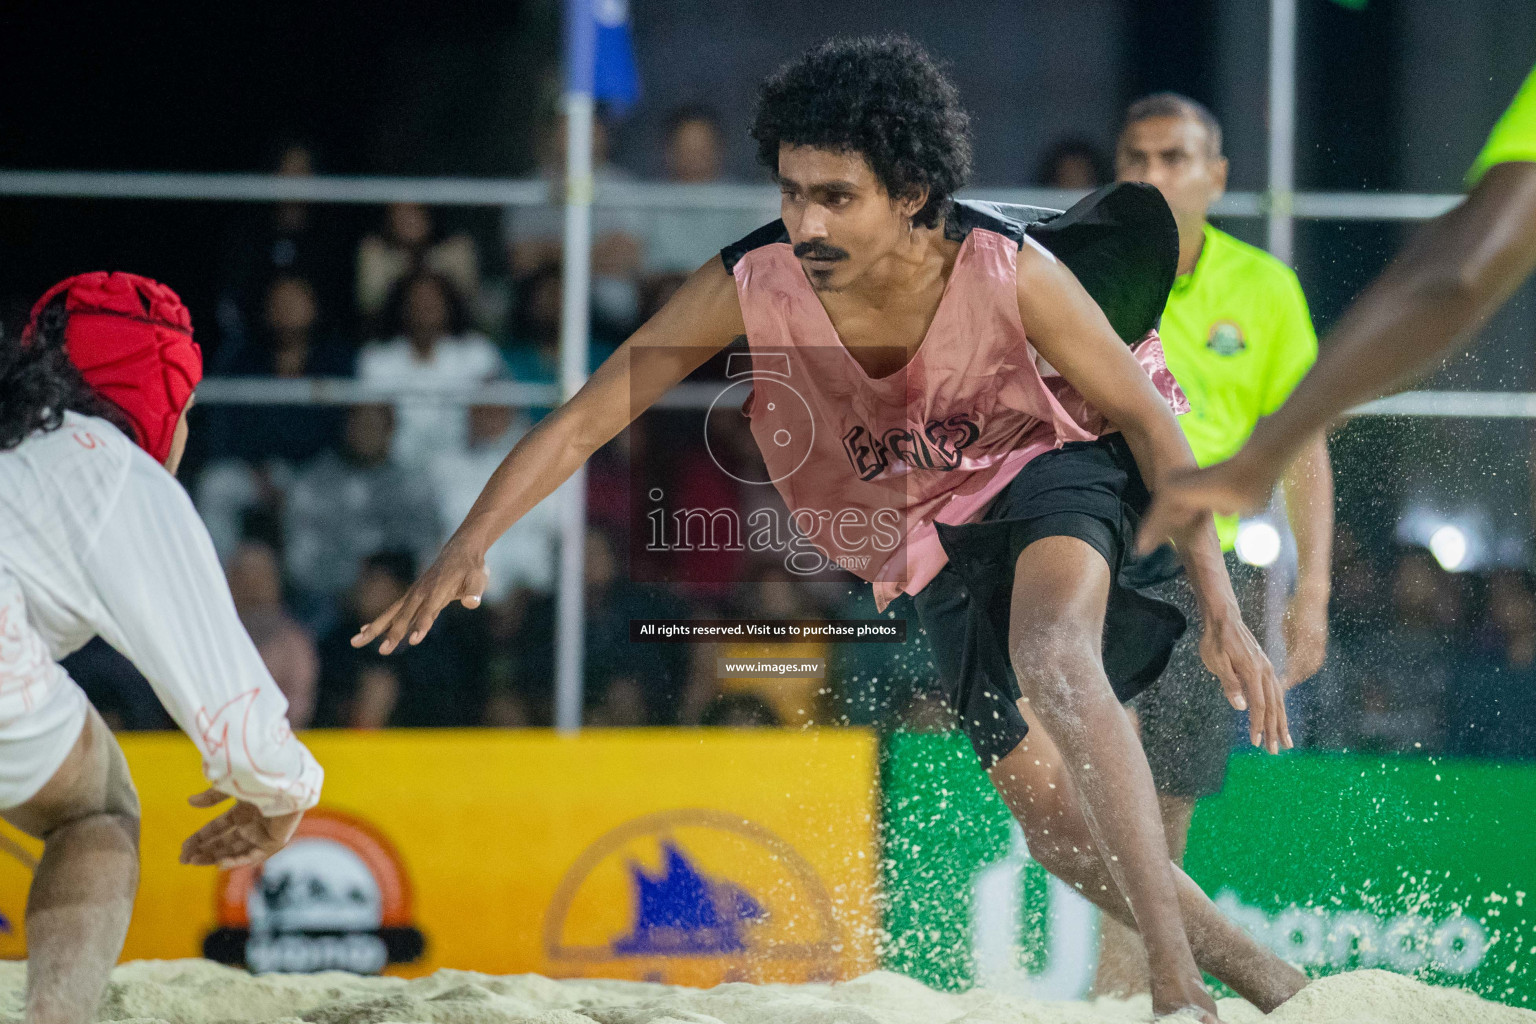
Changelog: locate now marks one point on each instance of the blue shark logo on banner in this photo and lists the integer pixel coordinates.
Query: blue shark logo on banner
(683, 912)
(692, 896)
(614, 78)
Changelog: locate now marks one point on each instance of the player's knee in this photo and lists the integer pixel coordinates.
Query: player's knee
(1059, 850)
(121, 798)
(93, 781)
(116, 808)
(1038, 837)
(1049, 657)
(46, 821)
(1040, 804)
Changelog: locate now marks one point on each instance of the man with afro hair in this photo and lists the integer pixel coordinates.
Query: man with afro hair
(965, 403)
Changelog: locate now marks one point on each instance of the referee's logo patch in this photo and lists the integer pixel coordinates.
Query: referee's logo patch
(1226, 338)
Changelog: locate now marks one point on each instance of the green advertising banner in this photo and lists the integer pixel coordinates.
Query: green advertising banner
(1423, 866)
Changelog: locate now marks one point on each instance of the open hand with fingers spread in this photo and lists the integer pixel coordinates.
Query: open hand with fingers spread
(457, 575)
(1230, 651)
(241, 835)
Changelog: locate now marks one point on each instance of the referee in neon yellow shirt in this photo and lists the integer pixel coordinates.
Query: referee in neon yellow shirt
(1238, 338)
(1456, 271)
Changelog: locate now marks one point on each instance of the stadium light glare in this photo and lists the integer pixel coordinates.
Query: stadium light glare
(1449, 546)
(1258, 543)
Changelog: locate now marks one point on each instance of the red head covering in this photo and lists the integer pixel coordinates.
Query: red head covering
(131, 339)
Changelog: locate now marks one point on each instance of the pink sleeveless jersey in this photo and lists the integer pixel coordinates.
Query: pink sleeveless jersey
(933, 442)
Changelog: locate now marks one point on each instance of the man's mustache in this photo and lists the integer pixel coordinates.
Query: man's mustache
(819, 251)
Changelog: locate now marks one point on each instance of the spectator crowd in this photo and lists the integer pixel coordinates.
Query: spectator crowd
(323, 515)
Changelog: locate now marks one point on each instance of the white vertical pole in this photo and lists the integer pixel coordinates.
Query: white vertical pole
(1282, 245)
(1282, 128)
(580, 32)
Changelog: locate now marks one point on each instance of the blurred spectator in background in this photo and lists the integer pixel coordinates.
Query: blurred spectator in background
(533, 356)
(507, 693)
(1404, 673)
(739, 711)
(1073, 163)
(1491, 705)
(1357, 605)
(611, 480)
(679, 241)
(254, 450)
(286, 647)
(875, 683)
(524, 556)
(123, 697)
(294, 239)
(702, 548)
(347, 505)
(437, 683)
(626, 683)
(410, 241)
(431, 348)
(795, 700)
(293, 342)
(533, 234)
(632, 684)
(695, 145)
(1325, 710)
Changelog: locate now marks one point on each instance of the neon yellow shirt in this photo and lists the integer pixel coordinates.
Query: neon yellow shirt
(1238, 338)
(1514, 136)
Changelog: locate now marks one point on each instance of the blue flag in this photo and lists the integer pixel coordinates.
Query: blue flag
(613, 68)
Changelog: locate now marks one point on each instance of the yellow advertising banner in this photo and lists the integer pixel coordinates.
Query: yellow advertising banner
(685, 856)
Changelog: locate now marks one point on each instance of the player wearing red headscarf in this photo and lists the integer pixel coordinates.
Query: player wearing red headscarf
(97, 538)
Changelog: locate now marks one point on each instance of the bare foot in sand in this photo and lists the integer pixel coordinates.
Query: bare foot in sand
(1188, 1001)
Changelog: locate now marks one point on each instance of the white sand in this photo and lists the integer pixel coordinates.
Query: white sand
(199, 992)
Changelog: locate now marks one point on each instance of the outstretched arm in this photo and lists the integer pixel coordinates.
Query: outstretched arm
(1451, 277)
(164, 604)
(701, 319)
(1069, 329)
(1454, 274)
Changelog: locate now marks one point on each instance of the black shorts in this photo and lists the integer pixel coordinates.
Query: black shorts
(1090, 490)
(1187, 726)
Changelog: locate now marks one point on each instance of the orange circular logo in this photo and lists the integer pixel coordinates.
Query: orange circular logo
(335, 898)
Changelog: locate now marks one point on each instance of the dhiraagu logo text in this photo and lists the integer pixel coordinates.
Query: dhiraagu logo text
(1031, 933)
(693, 896)
(1454, 944)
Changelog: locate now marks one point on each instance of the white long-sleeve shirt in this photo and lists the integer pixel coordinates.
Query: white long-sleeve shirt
(100, 539)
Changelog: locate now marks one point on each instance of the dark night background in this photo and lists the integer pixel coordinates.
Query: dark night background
(456, 89)
(375, 89)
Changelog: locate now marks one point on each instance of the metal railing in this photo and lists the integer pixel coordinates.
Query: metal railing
(257, 188)
(1279, 207)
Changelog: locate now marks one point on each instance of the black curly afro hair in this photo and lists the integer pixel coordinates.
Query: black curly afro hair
(38, 383)
(885, 99)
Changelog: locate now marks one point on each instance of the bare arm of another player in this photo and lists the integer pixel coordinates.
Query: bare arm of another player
(1067, 327)
(1309, 505)
(701, 319)
(1455, 273)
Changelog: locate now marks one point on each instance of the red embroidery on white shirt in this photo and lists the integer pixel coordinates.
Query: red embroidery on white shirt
(23, 661)
(214, 732)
